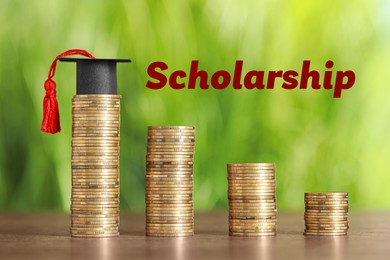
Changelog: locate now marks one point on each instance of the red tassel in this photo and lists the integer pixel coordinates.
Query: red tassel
(51, 115)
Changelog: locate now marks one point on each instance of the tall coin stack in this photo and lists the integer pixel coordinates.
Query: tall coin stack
(95, 165)
(169, 181)
(326, 213)
(252, 199)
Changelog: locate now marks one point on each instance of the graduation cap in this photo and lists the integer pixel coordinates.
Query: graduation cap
(94, 76)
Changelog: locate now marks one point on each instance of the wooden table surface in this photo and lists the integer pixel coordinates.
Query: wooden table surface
(46, 236)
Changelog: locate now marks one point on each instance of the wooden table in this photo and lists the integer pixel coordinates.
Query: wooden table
(46, 236)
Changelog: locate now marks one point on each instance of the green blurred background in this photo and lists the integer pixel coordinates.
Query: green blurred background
(318, 143)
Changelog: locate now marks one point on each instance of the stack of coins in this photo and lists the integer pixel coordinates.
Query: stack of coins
(326, 213)
(252, 199)
(169, 181)
(95, 165)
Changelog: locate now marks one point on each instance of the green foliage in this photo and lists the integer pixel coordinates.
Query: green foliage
(318, 143)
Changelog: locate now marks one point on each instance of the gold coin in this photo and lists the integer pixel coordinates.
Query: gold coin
(94, 221)
(250, 197)
(104, 235)
(179, 139)
(256, 165)
(326, 230)
(77, 154)
(149, 200)
(255, 201)
(170, 163)
(170, 172)
(176, 218)
(242, 234)
(187, 234)
(249, 215)
(326, 219)
(93, 231)
(170, 146)
(175, 135)
(326, 211)
(96, 103)
(251, 212)
(168, 231)
(247, 193)
(97, 213)
(165, 154)
(95, 122)
(178, 187)
(170, 154)
(174, 196)
(325, 234)
(175, 183)
(96, 181)
(253, 221)
(167, 222)
(94, 198)
(95, 202)
(101, 171)
(158, 208)
(97, 96)
(80, 218)
(175, 225)
(92, 158)
(170, 151)
(167, 192)
(81, 191)
(167, 188)
(252, 208)
(88, 135)
(252, 228)
(92, 177)
(170, 205)
(100, 206)
(330, 204)
(171, 175)
(171, 128)
(95, 107)
(187, 171)
(257, 182)
(169, 179)
(252, 189)
(90, 190)
(326, 214)
(249, 178)
(170, 214)
(170, 135)
(319, 194)
(255, 176)
(91, 234)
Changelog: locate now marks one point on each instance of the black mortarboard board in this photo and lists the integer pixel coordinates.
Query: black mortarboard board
(95, 76)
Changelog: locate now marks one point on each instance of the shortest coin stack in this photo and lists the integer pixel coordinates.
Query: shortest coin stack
(252, 200)
(326, 213)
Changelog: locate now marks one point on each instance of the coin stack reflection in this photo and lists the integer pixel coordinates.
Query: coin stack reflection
(252, 199)
(169, 181)
(95, 165)
(326, 213)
